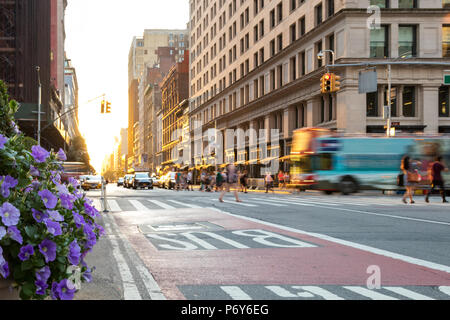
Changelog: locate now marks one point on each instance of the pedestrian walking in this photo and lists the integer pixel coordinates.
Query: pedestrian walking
(286, 179)
(243, 180)
(190, 181)
(202, 180)
(178, 180)
(231, 181)
(268, 182)
(281, 179)
(435, 176)
(412, 177)
(220, 179)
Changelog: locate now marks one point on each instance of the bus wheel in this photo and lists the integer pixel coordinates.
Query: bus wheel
(348, 185)
(328, 192)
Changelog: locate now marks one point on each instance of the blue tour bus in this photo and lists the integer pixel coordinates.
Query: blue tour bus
(326, 161)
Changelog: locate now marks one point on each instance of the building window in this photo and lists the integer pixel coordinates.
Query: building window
(319, 49)
(293, 68)
(293, 5)
(379, 42)
(302, 63)
(318, 14)
(272, 19)
(330, 7)
(409, 101)
(272, 48)
(292, 32)
(380, 3)
(301, 26)
(407, 3)
(372, 104)
(407, 41)
(280, 42)
(446, 3)
(443, 102)
(261, 55)
(280, 12)
(446, 41)
(330, 47)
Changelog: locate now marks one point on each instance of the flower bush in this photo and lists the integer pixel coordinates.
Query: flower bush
(46, 227)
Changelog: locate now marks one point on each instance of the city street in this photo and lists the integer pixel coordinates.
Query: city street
(165, 244)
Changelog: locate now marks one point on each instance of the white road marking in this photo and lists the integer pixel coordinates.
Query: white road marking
(372, 294)
(415, 261)
(283, 293)
(445, 289)
(138, 205)
(296, 203)
(235, 293)
(408, 293)
(162, 204)
(327, 295)
(240, 203)
(199, 241)
(130, 290)
(268, 203)
(299, 200)
(185, 204)
(113, 205)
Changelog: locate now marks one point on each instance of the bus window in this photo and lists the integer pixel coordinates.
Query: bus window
(302, 165)
(323, 161)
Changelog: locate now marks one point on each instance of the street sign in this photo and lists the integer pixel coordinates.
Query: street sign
(368, 81)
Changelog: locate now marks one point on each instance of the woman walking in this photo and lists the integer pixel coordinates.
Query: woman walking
(231, 181)
(243, 181)
(411, 176)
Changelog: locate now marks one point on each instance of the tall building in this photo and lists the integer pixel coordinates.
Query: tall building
(145, 51)
(70, 119)
(21, 50)
(255, 66)
(175, 94)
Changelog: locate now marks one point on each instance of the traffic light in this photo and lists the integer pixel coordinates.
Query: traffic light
(103, 106)
(335, 83)
(325, 83)
(108, 107)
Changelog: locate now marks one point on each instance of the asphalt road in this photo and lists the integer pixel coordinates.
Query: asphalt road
(296, 246)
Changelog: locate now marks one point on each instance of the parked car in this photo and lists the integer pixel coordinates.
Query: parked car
(156, 181)
(141, 180)
(92, 182)
(127, 181)
(120, 182)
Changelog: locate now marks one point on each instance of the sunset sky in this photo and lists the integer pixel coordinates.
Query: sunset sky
(98, 38)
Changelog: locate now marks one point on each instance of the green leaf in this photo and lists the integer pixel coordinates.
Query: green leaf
(28, 289)
(30, 231)
(27, 265)
(39, 263)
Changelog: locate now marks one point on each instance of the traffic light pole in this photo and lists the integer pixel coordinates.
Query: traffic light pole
(389, 102)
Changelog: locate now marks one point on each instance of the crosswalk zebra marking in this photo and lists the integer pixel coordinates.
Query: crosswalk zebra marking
(236, 293)
(138, 205)
(240, 203)
(113, 205)
(268, 203)
(445, 289)
(162, 204)
(371, 294)
(408, 293)
(185, 204)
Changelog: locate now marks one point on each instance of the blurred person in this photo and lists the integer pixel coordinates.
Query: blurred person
(411, 176)
(243, 180)
(286, 178)
(202, 180)
(189, 181)
(220, 180)
(178, 179)
(281, 179)
(231, 181)
(436, 179)
(268, 180)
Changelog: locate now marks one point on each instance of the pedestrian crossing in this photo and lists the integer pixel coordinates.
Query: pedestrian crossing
(253, 201)
(318, 292)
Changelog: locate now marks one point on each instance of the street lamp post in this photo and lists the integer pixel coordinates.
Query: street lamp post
(320, 55)
(39, 106)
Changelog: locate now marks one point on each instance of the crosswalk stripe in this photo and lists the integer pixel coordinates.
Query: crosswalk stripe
(185, 204)
(282, 201)
(162, 204)
(327, 295)
(138, 205)
(235, 293)
(240, 203)
(445, 289)
(268, 203)
(307, 201)
(372, 294)
(408, 293)
(283, 293)
(113, 205)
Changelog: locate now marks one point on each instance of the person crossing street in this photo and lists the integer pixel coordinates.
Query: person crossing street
(436, 179)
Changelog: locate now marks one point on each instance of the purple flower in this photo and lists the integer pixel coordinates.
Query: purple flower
(14, 234)
(78, 219)
(26, 252)
(10, 215)
(2, 232)
(34, 171)
(48, 249)
(90, 210)
(73, 182)
(41, 287)
(74, 253)
(34, 185)
(39, 154)
(100, 229)
(61, 155)
(4, 269)
(90, 235)
(43, 274)
(15, 127)
(55, 215)
(3, 140)
(7, 183)
(64, 290)
(62, 189)
(53, 228)
(39, 216)
(66, 200)
(48, 198)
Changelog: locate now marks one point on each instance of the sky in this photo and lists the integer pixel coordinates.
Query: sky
(98, 39)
